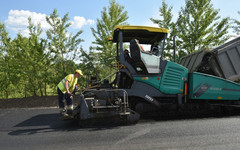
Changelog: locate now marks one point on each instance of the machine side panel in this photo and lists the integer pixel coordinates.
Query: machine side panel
(208, 87)
(153, 81)
(174, 76)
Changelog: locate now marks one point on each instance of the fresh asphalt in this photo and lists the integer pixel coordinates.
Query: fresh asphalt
(42, 128)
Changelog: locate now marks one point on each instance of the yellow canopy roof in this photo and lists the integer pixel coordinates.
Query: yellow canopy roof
(144, 34)
(150, 29)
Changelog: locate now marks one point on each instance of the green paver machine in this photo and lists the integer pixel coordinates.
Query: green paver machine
(145, 82)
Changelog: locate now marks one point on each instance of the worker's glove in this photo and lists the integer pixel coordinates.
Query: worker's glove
(75, 90)
(67, 95)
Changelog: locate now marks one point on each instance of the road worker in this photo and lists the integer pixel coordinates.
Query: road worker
(65, 89)
(140, 46)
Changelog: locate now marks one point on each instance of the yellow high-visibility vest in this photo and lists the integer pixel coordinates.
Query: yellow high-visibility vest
(71, 84)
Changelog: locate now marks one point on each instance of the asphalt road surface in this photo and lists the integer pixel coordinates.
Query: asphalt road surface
(42, 128)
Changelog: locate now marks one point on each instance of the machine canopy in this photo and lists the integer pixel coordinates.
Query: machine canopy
(145, 35)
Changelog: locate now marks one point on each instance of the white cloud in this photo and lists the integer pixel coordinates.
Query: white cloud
(78, 22)
(25, 32)
(18, 20)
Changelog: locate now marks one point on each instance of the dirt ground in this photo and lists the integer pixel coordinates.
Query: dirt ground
(29, 102)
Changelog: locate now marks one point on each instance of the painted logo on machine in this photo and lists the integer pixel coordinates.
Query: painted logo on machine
(149, 98)
(201, 89)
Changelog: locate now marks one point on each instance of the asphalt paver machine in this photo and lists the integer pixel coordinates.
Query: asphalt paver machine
(145, 82)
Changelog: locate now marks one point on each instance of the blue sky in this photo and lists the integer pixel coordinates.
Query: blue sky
(84, 13)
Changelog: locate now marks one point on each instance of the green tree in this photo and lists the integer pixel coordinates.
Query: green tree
(110, 17)
(73, 45)
(39, 58)
(62, 47)
(57, 35)
(199, 26)
(166, 21)
(23, 58)
(88, 60)
(6, 61)
(29, 59)
(236, 27)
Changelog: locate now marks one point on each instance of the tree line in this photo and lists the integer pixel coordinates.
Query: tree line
(33, 66)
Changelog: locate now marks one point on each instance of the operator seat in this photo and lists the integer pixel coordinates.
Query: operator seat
(136, 57)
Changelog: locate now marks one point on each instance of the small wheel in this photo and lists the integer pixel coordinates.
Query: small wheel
(133, 117)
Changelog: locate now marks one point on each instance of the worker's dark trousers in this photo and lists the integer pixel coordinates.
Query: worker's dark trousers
(61, 98)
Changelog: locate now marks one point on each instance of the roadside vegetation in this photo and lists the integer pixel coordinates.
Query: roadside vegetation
(32, 66)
